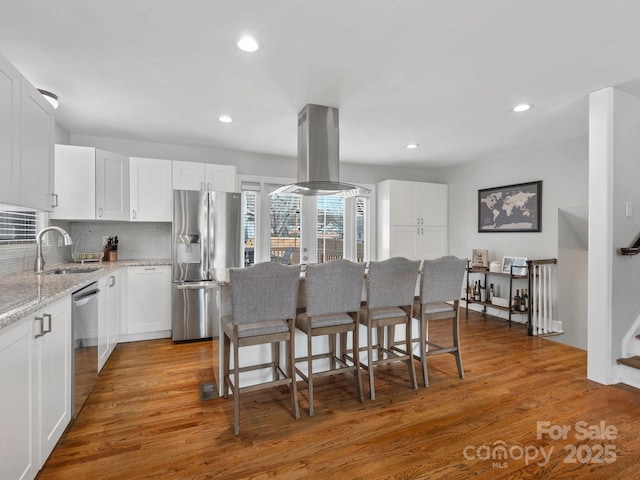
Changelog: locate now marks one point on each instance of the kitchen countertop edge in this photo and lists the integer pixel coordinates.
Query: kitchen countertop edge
(26, 292)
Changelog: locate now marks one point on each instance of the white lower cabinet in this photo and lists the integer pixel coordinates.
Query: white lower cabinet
(53, 374)
(35, 398)
(148, 303)
(108, 315)
(17, 459)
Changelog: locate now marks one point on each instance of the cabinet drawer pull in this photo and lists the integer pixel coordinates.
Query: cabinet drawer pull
(149, 268)
(100, 212)
(112, 282)
(41, 332)
(134, 214)
(55, 198)
(48, 329)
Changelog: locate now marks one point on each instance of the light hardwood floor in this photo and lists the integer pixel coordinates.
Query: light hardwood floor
(145, 419)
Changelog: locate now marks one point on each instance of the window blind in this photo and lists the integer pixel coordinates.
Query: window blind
(17, 226)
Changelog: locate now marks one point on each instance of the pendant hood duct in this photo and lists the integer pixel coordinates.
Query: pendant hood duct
(319, 155)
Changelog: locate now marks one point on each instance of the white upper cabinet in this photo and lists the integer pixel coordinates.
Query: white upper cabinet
(150, 190)
(37, 125)
(112, 186)
(204, 176)
(9, 132)
(220, 178)
(27, 124)
(75, 182)
(412, 219)
(414, 203)
(90, 184)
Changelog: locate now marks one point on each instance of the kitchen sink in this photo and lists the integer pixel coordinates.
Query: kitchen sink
(65, 271)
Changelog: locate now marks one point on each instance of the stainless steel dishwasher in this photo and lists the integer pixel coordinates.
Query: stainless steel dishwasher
(84, 319)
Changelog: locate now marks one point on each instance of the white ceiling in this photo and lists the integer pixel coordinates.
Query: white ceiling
(440, 73)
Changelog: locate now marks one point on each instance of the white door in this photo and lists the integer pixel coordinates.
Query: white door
(148, 299)
(9, 133)
(103, 322)
(36, 149)
(188, 176)
(431, 204)
(402, 203)
(220, 178)
(112, 186)
(432, 242)
(16, 414)
(403, 242)
(151, 192)
(54, 360)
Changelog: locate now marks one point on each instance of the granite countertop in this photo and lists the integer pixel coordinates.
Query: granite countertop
(26, 292)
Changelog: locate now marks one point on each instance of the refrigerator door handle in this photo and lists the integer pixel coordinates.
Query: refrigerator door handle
(196, 286)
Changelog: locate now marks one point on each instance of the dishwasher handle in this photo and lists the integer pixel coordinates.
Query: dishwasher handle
(83, 299)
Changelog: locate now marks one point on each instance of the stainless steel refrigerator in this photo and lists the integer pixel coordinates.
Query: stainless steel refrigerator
(206, 235)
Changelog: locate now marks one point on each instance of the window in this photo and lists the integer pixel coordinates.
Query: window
(17, 225)
(329, 228)
(284, 228)
(292, 229)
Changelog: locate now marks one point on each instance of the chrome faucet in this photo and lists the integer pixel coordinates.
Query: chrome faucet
(39, 258)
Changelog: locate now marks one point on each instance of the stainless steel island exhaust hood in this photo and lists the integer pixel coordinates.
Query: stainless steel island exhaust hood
(319, 155)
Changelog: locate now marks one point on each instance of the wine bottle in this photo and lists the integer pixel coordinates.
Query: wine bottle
(515, 303)
(522, 301)
(491, 293)
(477, 293)
(525, 300)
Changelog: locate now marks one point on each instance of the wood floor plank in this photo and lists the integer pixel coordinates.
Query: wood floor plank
(145, 419)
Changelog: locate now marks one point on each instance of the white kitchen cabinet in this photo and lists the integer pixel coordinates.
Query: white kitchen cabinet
(10, 79)
(204, 176)
(37, 125)
(150, 190)
(108, 316)
(90, 184)
(53, 375)
(27, 123)
(411, 219)
(112, 186)
(35, 398)
(17, 452)
(220, 178)
(148, 303)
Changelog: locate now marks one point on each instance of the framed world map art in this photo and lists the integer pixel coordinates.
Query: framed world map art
(512, 208)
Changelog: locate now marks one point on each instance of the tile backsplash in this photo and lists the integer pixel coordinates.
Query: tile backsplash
(136, 240)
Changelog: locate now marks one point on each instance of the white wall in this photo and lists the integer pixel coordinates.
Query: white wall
(563, 169)
(247, 163)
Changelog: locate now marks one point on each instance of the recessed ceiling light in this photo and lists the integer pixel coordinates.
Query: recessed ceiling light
(225, 119)
(523, 107)
(248, 43)
(51, 97)
(412, 146)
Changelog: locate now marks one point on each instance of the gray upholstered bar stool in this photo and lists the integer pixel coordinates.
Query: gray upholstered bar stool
(440, 284)
(391, 288)
(263, 310)
(333, 292)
